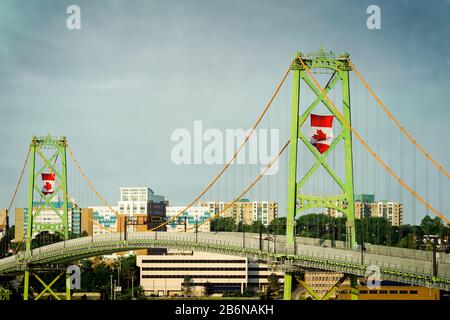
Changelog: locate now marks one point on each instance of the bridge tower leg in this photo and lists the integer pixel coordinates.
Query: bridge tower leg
(339, 69)
(51, 197)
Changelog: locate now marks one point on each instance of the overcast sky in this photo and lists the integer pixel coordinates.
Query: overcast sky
(137, 70)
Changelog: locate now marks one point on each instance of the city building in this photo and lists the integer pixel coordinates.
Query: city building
(47, 219)
(3, 222)
(245, 211)
(393, 211)
(366, 206)
(105, 220)
(87, 225)
(143, 207)
(164, 274)
(322, 281)
(391, 293)
(189, 219)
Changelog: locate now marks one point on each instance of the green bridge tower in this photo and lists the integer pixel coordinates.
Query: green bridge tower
(47, 156)
(338, 66)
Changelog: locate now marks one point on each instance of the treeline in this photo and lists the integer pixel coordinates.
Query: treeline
(372, 230)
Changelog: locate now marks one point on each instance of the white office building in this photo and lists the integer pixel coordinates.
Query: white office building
(189, 219)
(164, 274)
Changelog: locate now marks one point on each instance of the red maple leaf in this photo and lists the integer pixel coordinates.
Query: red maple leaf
(320, 135)
(47, 186)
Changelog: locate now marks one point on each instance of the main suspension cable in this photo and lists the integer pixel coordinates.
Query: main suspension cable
(17, 186)
(386, 110)
(217, 177)
(70, 199)
(356, 134)
(246, 189)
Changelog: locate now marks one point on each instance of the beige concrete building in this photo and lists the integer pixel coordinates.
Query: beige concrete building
(165, 274)
(393, 211)
(3, 221)
(86, 222)
(19, 224)
(366, 206)
(322, 282)
(245, 211)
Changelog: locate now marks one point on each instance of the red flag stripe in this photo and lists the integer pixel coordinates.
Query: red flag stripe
(321, 121)
(48, 176)
(321, 147)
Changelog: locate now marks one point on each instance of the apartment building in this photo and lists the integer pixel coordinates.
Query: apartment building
(142, 206)
(366, 206)
(245, 211)
(47, 219)
(189, 220)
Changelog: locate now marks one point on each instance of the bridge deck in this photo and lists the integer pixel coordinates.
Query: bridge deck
(407, 266)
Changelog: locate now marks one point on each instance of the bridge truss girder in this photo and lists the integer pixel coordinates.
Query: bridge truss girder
(58, 147)
(297, 201)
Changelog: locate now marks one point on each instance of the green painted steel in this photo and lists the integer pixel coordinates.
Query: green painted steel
(292, 183)
(58, 149)
(337, 260)
(5, 294)
(297, 201)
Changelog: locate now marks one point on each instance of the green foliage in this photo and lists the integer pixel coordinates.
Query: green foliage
(45, 238)
(186, 286)
(255, 227)
(277, 226)
(208, 288)
(5, 241)
(84, 234)
(273, 284)
(223, 224)
(320, 226)
(374, 230)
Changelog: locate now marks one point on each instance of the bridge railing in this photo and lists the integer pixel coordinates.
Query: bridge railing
(234, 241)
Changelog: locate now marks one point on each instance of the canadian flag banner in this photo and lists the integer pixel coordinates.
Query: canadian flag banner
(48, 183)
(321, 132)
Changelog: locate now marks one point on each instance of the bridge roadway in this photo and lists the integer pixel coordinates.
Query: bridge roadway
(402, 265)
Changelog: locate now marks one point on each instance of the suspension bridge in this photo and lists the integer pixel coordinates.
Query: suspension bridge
(320, 174)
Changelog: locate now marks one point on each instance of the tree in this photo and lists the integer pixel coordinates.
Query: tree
(208, 288)
(277, 226)
(273, 284)
(223, 224)
(256, 226)
(45, 238)
(186, 286)
(6, 240)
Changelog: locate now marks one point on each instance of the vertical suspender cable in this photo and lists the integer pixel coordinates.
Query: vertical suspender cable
(402, 165)
(441, 206)
(413, 201)
(427, 185)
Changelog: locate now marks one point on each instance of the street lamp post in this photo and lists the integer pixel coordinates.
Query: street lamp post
(260, 238)
(362, 239)
(111, 296)
(243, 235)
(433, 240)
(196, 230)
